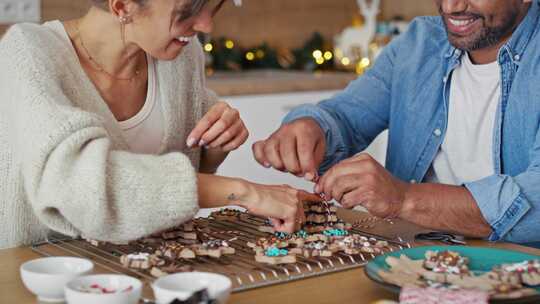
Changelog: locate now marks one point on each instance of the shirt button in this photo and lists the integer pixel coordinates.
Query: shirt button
(517, 57)
(437, 132)
(413, 181)
(445, 79)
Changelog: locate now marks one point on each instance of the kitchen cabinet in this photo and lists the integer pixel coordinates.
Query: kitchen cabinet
(262, 115)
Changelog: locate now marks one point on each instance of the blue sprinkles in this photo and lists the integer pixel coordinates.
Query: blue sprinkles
(301, 234)
(336, 232)
(275, 252)
(281, 235)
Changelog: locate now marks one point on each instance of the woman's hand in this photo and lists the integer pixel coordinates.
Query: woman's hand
(220, 129)
(282, 204)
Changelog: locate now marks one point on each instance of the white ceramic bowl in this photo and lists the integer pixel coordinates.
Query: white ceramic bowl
(121, 283)
(46, 277)
(182, 285)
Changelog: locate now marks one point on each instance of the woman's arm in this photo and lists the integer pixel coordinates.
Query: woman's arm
(282, 203)
(211, 159)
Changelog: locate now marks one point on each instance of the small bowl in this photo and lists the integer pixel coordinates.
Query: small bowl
(182, 285)
(46, 277)
(128, 290)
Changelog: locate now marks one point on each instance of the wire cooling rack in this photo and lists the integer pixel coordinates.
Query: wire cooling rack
(241, 267)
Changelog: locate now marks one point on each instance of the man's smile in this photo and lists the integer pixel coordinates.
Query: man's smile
(461, 26)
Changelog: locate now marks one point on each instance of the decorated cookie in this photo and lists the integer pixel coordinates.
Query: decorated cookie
(170, 269)
(526, 272)
(275, 256)
(176, 251)
(266, 227)
(226, 214)
(141, 260)
(213, 248)
(446, 262)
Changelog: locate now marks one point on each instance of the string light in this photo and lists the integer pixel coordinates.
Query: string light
(328, 55)
(317, 54)
(319, 60)
(250, 56)
(345, 61)
(229, 44)
(208, 47)
(260, 54)
(364, 63)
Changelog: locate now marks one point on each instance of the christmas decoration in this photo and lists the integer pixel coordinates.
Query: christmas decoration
(352, 46)
(225, 54)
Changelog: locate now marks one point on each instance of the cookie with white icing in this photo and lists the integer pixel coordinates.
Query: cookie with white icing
(141, 260)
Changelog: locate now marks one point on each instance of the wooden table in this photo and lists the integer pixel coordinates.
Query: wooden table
(351, 286)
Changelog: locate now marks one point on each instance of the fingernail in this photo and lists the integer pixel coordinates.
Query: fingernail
(190, 142)
(202, 143)
(309, 177)
(266, 164)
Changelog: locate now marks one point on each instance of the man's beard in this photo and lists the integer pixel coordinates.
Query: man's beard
(486, 37)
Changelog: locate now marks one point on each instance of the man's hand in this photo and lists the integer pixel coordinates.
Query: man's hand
(297, 147)
(221, 128)
(361, 180)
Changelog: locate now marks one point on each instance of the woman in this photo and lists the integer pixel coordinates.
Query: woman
(95, 124)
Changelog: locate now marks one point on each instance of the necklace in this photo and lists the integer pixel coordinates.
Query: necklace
(97, 66)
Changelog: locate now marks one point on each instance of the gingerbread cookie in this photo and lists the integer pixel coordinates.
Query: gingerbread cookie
(319, 207)
(158, 272)
(447, 262)
(175, 251)
(141, 260)
(226, 214)
(213, 248)
(267, 227)
(526, 272)
(318, 249)
(275, 256)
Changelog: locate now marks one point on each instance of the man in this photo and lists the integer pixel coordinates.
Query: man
(460, 96)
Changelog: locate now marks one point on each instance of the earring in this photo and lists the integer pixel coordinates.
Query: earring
(123, 21)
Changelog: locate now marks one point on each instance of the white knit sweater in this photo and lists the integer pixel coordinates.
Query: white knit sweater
(63, 161)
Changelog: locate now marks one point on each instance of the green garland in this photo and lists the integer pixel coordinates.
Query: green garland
(224, 54)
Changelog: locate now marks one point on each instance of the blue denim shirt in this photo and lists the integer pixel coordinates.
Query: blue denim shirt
(407, 92)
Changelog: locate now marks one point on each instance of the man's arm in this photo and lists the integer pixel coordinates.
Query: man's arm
(361, 180)
(343, 125)
(500, 207)
(444, 207)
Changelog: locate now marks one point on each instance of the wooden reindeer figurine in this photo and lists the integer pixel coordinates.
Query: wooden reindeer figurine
(357, 39)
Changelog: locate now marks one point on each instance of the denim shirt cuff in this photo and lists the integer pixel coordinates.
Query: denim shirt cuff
(335, 144)
(501, 202)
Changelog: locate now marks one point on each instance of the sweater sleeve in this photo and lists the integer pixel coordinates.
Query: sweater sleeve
(74, 179)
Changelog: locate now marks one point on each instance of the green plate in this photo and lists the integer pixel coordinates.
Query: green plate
(481, 259)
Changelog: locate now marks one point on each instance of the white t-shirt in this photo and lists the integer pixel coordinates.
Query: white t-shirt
(466, 153)
(144, 131)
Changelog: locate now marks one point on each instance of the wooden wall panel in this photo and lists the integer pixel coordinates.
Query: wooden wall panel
(289, 23)
(59, 9)
(284, 23)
